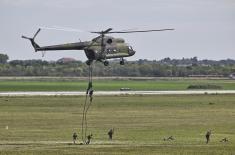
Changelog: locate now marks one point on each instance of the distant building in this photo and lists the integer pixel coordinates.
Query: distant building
(66, 60)
(232, 76)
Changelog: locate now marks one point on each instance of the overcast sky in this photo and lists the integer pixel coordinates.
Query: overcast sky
(203, 28)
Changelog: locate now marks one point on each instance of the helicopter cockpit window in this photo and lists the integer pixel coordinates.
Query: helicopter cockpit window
(130, 48)
(109, 41)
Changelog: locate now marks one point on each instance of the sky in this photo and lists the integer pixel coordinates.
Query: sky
(203, 28)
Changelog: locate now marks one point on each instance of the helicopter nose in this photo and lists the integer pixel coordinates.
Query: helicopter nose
(131, 52)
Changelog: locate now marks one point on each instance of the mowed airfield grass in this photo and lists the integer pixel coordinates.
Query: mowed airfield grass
(107, 84)
(44, 125)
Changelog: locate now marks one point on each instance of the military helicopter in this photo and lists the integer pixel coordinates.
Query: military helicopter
(100, 48)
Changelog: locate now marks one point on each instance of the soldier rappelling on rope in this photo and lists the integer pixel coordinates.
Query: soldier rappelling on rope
(89, 94)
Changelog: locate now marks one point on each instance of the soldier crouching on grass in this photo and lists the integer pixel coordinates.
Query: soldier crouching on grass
(171, 138)
(224, 140)
(75, 136)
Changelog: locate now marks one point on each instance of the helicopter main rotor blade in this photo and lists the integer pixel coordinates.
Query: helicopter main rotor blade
(139, 31)
(108, 30)
(103, 32)
(96, 38)
(59, 28)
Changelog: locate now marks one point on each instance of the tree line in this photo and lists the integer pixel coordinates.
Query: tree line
(166, 67)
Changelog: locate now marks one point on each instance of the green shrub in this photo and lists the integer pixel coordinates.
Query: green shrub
(204, 86)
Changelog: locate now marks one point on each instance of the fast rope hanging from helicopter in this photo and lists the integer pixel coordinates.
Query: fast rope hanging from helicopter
(87, 104)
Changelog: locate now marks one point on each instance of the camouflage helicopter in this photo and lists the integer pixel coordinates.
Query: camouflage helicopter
(100, 48)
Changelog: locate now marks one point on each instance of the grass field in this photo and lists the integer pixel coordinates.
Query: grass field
(44, 125)
(107, 84)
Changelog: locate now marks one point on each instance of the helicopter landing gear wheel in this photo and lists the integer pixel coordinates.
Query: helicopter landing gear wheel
(122, 61)
(106, 63)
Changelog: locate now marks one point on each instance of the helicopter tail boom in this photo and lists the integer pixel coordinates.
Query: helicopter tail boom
(69, 46)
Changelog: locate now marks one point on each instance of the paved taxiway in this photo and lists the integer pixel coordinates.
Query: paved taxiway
(105, 93)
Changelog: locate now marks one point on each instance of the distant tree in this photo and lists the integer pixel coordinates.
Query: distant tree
(165, 67)
(194, 60)
(3, 58)
(16, 62)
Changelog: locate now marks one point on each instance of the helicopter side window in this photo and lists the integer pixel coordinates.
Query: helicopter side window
(111, 50)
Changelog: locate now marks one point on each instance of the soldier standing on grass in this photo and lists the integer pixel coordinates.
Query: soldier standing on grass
(89, 139)
(110, 133)
(208, 134)
(75, 136)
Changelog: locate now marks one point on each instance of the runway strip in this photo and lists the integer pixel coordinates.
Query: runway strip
(108, 93)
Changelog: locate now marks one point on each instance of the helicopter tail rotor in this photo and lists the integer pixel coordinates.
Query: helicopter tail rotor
(34, 44)
(24, 37)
